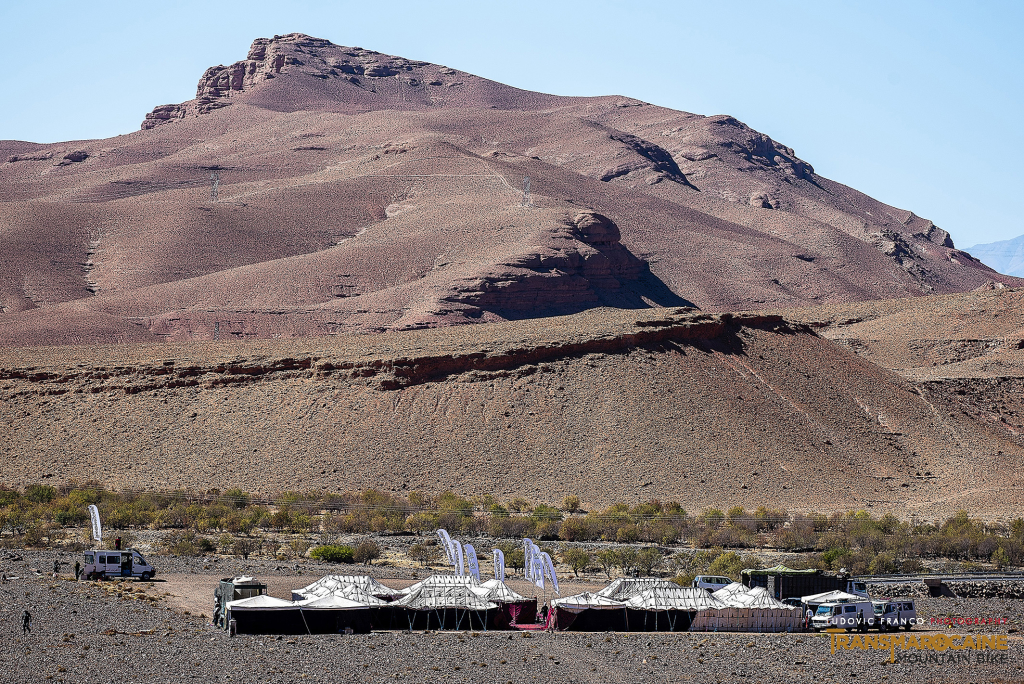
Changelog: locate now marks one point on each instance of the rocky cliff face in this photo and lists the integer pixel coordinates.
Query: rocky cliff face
(299, 54)
(581, 264)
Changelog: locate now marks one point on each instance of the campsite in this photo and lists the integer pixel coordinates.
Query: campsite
(161, 631)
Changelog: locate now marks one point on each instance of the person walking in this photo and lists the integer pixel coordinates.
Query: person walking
(117, 543)
(56, 568)
(26, 622)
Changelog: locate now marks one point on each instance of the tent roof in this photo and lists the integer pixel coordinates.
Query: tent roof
(674, 597)
(827, 596)
(331, 602)
(442, 581)
(497, 591)
(587, 600)
(778, 570)
(330, 584)
(439, 597)
(760, 597)
(625, 588)
(730, 590)
(262, 602)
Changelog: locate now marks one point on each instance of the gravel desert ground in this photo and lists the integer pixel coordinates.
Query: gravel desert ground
(82, 632)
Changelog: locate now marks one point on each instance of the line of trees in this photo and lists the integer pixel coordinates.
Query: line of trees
(858, 541)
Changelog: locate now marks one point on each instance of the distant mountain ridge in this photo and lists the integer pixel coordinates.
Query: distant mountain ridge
(313, 189)
(1005, 256)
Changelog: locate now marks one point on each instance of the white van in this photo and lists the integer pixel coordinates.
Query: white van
(895, 614)
(849, 616)
(711, 582)
(100, 564)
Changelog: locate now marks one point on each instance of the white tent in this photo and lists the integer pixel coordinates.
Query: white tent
(497, 591)
(446, 581)
(826, 597)
(674, 597)
(349, 586)
(330, 602)
(262, 602)
(625, 588)
(587, 601)
(732, 589)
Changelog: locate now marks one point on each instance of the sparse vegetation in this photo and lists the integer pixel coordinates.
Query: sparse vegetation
(38, 515)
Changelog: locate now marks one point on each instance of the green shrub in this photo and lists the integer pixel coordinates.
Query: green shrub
(40, 493)
(333, 553)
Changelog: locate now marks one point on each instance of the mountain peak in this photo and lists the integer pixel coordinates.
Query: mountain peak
(315, 74)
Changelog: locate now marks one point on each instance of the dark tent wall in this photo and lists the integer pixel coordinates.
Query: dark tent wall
(269, 621)
(445, 618)
(592, 620)
(335, 621)
(659, 620)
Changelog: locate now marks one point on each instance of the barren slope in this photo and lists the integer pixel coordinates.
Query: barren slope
(612, 406)
(360, 191)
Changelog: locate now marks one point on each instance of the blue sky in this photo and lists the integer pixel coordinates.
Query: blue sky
(916, 103)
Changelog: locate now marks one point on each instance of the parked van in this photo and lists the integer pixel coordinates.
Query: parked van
(849, 616)
(711, 582)
(896, 614)
(857, 588)
(100, 564)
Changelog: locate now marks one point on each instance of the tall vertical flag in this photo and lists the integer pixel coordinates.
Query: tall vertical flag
(499, 565)
(461, 565)
(472, 566)
(527, 559)
(97, 528)
(446, 543)
(549, 567)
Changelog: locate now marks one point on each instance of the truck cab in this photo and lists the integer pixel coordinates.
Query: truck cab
(106, 563)
(857, 588)
(849, 616)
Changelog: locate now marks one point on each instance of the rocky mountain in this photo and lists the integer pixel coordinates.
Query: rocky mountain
(713, 410)
(313, 189)
(1005, 256)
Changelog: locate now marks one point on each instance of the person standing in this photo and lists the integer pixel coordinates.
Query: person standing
(117, 543)
(26, 622)
(78, 570)
(807, 618)
(56, 568)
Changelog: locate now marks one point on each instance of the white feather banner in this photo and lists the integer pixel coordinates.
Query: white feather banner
(461, 566)
(472, 566)
(446, 544)
(550, 568)
(97, 528)
(527, 559)
(499, 565)
(537, 574)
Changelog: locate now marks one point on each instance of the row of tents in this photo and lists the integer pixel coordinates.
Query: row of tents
(359, 604)
(651, 604)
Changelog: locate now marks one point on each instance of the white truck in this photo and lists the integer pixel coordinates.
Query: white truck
(105, 563)
(849, 615)
(895, 614)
